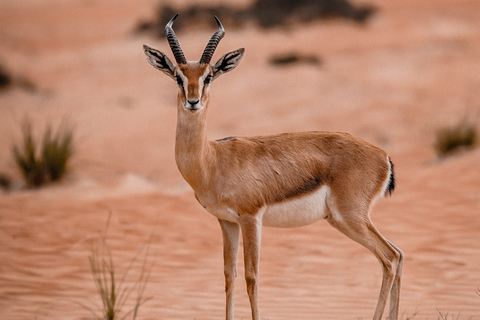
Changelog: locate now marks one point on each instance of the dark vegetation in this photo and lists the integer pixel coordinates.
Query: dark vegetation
(294, 58)
(8, 80)
(45, 161)
(5, 181)
(264, 13)
(5, 78)
(456, 138)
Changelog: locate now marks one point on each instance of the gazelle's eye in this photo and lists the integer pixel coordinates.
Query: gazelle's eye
(208, 79)
(179, 80)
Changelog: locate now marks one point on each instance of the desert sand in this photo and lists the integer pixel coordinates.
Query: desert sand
(411, 70)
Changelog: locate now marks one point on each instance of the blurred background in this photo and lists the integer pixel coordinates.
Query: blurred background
(401, 74)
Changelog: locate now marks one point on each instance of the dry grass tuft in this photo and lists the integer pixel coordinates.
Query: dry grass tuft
(113, 290)
(45, 161)
(444, 316)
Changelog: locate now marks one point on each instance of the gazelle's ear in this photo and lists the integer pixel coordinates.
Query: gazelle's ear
(160, 61)
(228, 62)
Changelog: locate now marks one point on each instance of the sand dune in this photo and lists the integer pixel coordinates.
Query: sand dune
(411, 70)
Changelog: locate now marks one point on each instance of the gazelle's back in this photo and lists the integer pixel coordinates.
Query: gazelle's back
(259, 171)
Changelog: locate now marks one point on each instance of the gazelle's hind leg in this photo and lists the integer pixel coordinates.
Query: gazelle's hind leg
(395, 293)
(356, 224)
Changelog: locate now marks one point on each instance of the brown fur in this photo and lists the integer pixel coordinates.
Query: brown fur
(258, 171)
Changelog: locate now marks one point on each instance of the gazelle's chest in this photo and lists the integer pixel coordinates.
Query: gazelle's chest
(296, 212)
(220, 211)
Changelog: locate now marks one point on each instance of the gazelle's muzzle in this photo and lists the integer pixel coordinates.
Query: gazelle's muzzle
(193, 105)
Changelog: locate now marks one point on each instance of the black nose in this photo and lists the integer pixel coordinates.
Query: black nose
(193, 102)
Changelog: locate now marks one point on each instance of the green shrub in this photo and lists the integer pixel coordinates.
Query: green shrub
(461, 136)
(44, 162)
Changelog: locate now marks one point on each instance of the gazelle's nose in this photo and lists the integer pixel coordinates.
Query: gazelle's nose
(193, 105)
(193, 102)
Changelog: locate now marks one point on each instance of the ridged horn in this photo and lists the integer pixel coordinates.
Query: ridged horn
(212, 44)
(173, 42)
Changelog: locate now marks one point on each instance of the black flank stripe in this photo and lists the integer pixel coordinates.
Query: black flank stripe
(309, 186)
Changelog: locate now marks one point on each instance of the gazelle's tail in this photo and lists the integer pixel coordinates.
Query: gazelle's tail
(391, 180)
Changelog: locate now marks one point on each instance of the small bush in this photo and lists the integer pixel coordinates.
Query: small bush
(5, 78)
(264, 13)
(5, 181)
(9, 80)
(45, 162)
(461, 136)
(294, 58)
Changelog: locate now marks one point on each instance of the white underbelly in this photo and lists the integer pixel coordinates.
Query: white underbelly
(297, 212)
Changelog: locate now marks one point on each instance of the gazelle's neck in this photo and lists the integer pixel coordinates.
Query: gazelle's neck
(195, 156)
(192, 149)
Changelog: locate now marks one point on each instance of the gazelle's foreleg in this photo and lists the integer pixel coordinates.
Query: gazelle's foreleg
(252, 233)
(231, 235)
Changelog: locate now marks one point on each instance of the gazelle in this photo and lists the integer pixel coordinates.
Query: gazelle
(285, 180)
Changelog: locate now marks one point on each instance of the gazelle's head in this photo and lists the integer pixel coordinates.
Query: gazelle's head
(193, 77)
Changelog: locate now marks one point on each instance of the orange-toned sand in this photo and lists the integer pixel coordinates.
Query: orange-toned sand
(414, 68)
